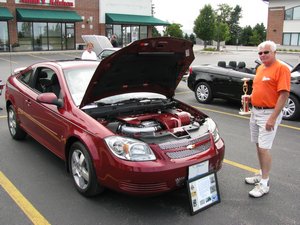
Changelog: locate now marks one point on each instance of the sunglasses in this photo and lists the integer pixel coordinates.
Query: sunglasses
(265, 52)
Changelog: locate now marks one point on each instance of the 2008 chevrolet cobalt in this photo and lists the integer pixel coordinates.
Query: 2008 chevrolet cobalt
(116, 124)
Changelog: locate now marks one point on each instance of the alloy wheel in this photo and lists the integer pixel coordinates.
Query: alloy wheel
(80, 169)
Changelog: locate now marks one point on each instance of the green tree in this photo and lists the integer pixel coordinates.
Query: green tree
(155, 32)
(235, 29)
(261, 31)
(221, 33)
(204, 24)
(254, 39)
(245, 35)
(224, 13)
(173, 30)
(186, 36)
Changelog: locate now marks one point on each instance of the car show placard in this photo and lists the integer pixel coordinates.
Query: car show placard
(203, 192)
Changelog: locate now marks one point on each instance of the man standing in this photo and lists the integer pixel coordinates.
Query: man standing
(271, 87)
(114, 41)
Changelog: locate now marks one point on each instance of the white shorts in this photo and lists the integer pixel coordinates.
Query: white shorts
(259, 134)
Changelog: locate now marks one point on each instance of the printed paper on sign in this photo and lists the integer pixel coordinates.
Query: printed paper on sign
(198, 169)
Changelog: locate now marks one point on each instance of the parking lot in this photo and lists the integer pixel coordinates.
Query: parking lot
(35, 188)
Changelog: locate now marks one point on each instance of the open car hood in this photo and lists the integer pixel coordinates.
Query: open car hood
(149, 65)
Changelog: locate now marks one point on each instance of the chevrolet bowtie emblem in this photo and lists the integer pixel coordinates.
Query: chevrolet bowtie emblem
(190, 147)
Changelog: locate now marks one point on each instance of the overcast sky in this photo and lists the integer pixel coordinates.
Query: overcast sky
(186, 11)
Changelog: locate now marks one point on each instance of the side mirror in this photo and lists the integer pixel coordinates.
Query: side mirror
(50, 98)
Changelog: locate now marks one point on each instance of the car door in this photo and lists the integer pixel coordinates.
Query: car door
(45, 122)
(221, 82)
(236, 84)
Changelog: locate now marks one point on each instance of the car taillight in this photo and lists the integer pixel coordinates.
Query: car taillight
(190, 70)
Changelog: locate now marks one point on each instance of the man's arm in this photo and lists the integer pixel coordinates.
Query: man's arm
(283, 97)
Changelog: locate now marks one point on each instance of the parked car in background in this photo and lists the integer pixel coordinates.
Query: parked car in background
(116, 124)
(224, 81)
(106, 52)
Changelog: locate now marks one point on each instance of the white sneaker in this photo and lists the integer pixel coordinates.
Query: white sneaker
(253, 180)
(259, 190)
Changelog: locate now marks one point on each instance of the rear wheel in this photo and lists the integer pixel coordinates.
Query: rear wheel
(13, 125)
(203, 93)
(291, 109)
(82, 170)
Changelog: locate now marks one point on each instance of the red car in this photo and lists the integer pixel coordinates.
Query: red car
(116, 123)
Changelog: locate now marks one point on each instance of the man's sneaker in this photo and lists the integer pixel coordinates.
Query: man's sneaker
(253, 180)
(259, 190)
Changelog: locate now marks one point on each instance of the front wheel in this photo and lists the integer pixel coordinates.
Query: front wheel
(13, 124)
(82, 170)
(203, 93)
(291, 110)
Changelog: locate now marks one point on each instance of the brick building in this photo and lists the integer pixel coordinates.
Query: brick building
(284, 22)
(42, 25)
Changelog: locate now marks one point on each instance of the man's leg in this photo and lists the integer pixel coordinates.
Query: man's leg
(265, 161)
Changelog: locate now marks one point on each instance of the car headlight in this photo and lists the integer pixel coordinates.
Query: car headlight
(212, 127)
(129, 149)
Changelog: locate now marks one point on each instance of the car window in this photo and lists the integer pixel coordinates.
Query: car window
(106, 53)
(78, 80)
(26, 77)
(46, 80)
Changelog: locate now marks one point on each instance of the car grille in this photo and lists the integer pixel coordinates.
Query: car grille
(183, 143)
(188, 152)
(182, 153)
(143, 188)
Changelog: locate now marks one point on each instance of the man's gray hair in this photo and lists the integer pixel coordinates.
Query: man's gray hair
(271, 44)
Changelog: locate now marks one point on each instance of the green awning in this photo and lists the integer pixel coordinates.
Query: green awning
(5, 14)
(37, 15)
(113, 18)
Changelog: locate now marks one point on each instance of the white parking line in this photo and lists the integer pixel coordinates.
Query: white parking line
(39, 57)
(10, 61)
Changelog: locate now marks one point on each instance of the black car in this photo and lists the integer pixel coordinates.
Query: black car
(225, 81)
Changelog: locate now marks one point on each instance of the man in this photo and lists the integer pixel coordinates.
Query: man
(271, 87)
(114, 41)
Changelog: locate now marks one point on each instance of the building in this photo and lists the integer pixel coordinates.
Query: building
(45, 25)
(284, 22)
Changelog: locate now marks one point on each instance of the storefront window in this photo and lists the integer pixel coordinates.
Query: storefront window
(46, 36)
(296, 15)
(294, 39)
(117, 30)
(134, 33)
(40, 36)
(126, 33)
(25, 36)
(70, 36)
(143, 32)
(54, 36)
(286, 39)
(4, 44)
(289, 14)
(291, 39)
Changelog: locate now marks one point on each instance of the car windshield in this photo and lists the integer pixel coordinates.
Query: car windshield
(77, 80)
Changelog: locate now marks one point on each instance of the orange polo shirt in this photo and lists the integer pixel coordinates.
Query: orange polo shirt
(267, 83)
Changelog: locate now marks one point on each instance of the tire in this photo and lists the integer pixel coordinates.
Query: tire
(82, 171)
(291, 110)
(203, 93)
(15, 130)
